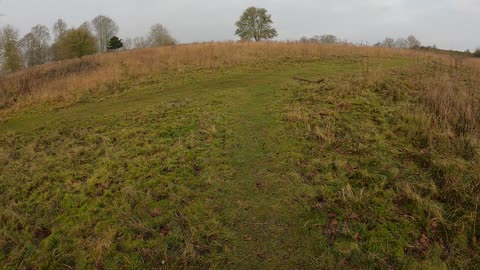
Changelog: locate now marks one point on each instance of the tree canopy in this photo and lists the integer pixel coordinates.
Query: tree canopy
(59, 28)
(76, 43)
(255, 23)
(114, 44)
(413, 42)
(35, 45)
(10, 54)
(160, 36)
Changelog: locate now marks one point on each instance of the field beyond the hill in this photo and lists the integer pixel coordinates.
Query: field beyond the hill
(242, 156)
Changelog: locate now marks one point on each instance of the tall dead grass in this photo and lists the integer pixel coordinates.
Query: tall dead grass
(452, 94)
(67, 79)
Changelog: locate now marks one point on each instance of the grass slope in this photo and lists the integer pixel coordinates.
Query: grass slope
(241, 167)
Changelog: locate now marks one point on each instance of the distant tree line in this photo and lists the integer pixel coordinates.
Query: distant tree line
(476, 53)
(41, 45)
(411, 42)
(324, 39)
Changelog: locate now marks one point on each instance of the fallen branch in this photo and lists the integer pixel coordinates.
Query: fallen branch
(308, 81)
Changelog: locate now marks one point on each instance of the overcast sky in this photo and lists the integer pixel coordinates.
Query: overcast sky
(450, 24)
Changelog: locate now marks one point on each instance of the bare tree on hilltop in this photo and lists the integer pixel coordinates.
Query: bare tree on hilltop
(60, 27)
(105, 28)
(10, 54)
(413, 42)
(35, 46)
(160, 36)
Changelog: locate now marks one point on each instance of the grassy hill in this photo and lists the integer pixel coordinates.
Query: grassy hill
(242, 156)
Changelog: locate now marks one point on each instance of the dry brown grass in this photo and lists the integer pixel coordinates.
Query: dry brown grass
(451, 93)
(67, 79)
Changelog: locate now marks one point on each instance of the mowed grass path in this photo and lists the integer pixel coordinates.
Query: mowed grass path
(236, 205)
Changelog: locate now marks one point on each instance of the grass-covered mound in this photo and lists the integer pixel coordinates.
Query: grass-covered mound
(301, 156)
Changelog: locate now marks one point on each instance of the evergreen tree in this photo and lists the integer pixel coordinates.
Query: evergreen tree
(114, 44)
